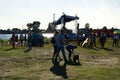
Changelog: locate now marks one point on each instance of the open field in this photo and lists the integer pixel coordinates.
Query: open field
(96, 64)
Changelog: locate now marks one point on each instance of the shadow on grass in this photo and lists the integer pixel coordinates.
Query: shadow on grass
(108, 49)
(93, 48)
(74, 63)
(28, 50)
(59, 70)
(97, 49)
(9, 49)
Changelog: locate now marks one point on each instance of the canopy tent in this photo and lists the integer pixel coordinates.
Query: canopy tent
(65, 18)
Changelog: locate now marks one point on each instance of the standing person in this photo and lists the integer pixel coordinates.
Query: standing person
(25, 40)
(115, 41)
(60, 45)
(92, 40)
(13, 39)
(54, 43)
(41, 40)
(29, 42)
(21, 39)
(80, 39)
(70, 48)
(102, 39)
(16, 40)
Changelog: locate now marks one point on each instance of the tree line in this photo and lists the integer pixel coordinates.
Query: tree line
(33, 27)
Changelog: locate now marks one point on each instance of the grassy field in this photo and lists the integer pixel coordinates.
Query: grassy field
(96, 64)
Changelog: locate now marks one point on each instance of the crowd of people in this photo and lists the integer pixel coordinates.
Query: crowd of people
(60, 43)
(16, 41)
(25, 40)
(89, 40)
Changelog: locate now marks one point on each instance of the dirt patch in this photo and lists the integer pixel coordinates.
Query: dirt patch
(111, 61)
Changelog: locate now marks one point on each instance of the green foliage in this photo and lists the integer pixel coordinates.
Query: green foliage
(34, 26)
(87, 26)
(1, 40)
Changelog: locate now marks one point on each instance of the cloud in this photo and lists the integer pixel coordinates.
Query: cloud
(98, 13)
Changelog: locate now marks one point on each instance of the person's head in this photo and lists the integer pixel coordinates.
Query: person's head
(56, 32)
(61, 31)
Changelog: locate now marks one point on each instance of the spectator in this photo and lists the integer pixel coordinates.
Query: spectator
(41, 40)
(21, 39)
(16, 40)
(102, 39)
(13, 39)
(25, 40)
(80, 39)
(115, 41)
(92, 40)
(29, 42)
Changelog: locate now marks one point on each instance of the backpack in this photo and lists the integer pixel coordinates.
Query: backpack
(53, 40)
(102, 38)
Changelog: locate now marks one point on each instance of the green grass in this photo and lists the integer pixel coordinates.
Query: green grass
(97, 64)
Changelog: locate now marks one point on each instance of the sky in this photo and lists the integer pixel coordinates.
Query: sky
(98, 13)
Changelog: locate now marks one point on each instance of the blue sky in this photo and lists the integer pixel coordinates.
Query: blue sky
(98, 13)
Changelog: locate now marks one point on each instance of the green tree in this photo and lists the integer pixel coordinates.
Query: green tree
(105, 28)
(30, 26)
(36, 25)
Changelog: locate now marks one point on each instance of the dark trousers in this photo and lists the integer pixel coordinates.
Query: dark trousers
(70, 53)
(60, 48)
(55, 51)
